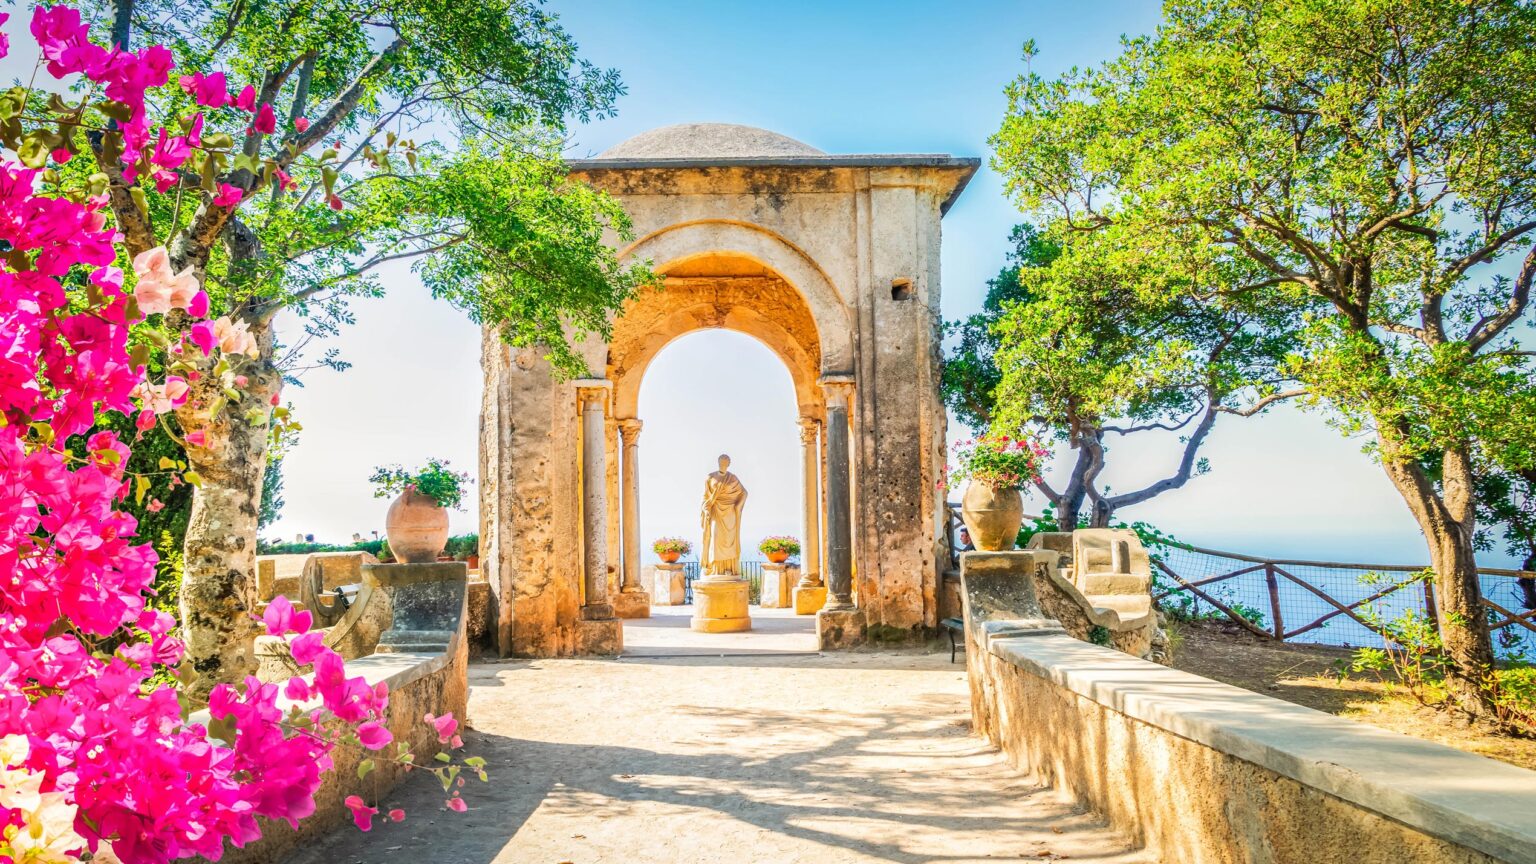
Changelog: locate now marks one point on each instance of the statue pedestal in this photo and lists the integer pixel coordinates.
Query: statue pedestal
(778, 582)
(720, 605)
(669, 584)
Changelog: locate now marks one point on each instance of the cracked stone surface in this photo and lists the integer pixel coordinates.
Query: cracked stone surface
(853, 757)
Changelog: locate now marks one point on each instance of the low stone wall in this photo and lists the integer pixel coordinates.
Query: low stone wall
(1199, 772)
(419, 682)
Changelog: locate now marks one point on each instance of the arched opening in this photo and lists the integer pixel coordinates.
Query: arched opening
(707, 393)
(736, 357)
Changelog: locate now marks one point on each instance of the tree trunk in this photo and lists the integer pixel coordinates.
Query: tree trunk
(1445, 517)
(218, 585)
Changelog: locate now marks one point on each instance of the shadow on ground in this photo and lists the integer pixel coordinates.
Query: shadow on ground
(806, 759)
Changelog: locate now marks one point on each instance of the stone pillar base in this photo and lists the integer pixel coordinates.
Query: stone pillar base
(669, 585)
(632, 604)
(721, 606)
(810, 599)
(840, 628)
(604, 637)
(778, 581)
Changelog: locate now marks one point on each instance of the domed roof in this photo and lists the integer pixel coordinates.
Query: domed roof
(708, 141)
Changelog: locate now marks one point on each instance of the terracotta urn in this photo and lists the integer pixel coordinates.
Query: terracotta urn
(993, 515)
(473, 560)
(670, 557)
(778, 557)
(417, 528)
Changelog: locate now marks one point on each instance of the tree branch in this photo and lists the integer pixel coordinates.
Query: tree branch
(1261, 404)
(1489, 327)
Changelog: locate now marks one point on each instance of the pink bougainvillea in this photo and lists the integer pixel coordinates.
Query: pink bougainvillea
(97, 753)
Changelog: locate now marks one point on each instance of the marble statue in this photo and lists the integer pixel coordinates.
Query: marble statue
(720, 517)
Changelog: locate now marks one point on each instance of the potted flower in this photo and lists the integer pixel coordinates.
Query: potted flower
(417, 523)
(778, 548)
(669, 549)
(997, 467)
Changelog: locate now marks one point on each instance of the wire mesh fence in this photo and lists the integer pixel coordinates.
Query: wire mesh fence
(1324, 602)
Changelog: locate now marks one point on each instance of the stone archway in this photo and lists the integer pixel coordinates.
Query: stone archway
(830, 261)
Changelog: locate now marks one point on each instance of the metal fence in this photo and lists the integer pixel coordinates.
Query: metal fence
(752, 571)
(1321, 602)
(1328, 602)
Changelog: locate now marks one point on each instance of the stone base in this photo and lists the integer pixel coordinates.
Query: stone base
(669, 585)
(604, 637)
(778, 583)
(632, 604)
(721, 607)
(840, 628)
(809, 600)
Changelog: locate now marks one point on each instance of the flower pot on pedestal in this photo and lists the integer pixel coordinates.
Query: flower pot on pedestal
(417, 528)
(993, 516)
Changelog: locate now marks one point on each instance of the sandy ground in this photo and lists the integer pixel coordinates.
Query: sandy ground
(750, 757)
(1308, 675)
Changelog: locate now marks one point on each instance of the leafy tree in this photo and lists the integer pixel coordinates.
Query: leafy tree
(314, 180)
(970, 374)
(1373, 160)
(1093, 338)
(1506, 513)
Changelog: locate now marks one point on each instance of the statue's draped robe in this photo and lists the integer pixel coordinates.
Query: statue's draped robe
(723, 499)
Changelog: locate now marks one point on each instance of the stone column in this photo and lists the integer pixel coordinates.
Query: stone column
(810, 594)
(600, 632)
(633, 600)
(840, 624)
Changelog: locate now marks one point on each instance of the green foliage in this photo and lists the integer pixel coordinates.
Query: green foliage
(1506, 515)
(998, 461)
(461, 546)
(532, 258)
(168, 573)
(435, 480)
(785, 544)
(970, 374)
(1414, 659)
(270, 547)
(1363, 171)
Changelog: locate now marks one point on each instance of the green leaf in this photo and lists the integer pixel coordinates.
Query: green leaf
(364, 768)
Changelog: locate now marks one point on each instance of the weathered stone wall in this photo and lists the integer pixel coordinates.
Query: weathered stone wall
(835, 269)
(419, 683)
(529, 494)
(1200, 773)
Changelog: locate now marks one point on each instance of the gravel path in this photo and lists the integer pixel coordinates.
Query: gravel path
(741, 759)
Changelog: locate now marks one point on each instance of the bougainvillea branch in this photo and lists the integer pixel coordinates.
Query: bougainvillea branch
(99, 756)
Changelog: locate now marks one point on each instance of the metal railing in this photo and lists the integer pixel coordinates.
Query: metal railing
(1320, 602)
(752, 571)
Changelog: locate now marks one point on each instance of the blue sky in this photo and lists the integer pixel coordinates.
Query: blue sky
(846, 78)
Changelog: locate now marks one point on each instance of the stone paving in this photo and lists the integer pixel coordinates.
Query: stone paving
(749, 757)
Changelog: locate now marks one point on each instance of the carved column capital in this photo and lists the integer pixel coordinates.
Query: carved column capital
(809, 428)
(629, 431)
(593, 391)
(839, 390)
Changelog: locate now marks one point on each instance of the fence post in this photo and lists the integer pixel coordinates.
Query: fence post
(1429, 604)
(1274, 600)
